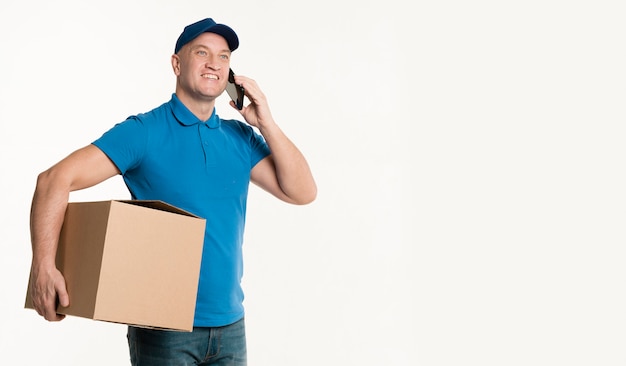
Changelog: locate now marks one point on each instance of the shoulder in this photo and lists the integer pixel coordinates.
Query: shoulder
(239, 129)
(160, 113)
(236, 125)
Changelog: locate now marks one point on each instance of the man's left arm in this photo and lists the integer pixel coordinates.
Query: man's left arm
(285, 173)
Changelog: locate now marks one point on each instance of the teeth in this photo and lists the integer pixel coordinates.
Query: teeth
(209, 76)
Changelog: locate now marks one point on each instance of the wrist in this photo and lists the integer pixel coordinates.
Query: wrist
(43, 263)
(268, 128)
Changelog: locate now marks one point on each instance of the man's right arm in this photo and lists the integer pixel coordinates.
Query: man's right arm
(81, 169)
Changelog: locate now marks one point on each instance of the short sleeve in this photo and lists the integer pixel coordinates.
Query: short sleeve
(125, 143)
(259, 148)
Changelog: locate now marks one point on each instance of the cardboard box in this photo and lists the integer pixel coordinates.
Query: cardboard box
(131, 262)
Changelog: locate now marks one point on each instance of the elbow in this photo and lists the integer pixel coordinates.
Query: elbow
(306, 197)
(43, 180)
(51, 180)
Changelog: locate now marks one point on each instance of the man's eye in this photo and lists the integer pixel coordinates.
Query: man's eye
(201, 53)
(224, 57)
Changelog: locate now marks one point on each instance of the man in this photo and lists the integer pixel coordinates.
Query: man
(182, 153)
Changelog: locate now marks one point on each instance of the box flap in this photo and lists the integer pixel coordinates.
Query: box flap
(159, 205)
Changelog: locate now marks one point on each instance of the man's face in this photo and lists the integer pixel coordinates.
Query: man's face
(202, 66)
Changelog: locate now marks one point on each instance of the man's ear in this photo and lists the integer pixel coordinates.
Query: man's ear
(176, 64)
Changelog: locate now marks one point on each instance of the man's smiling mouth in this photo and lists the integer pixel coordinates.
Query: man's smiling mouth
(210, 76)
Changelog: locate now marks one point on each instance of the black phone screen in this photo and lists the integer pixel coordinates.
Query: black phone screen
(234, 91)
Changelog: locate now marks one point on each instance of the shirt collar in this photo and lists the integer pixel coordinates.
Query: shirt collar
(186, 118)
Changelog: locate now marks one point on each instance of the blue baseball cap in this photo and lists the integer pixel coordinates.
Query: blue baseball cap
(207, 25)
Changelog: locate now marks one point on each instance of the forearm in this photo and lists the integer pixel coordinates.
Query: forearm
(292, 170)
(47, 285)
(46, 218)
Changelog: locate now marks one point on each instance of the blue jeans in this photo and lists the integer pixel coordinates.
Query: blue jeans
(204, 346)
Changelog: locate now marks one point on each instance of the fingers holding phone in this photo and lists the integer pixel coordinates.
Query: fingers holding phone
(256, 113)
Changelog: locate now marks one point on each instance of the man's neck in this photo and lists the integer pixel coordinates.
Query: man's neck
(201, 108)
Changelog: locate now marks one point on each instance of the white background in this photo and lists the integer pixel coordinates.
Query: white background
(469, 157)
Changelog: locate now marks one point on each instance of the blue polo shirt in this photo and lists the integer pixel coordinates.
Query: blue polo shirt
(168, 154)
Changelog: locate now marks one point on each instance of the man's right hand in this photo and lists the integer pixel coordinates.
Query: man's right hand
(47, 290)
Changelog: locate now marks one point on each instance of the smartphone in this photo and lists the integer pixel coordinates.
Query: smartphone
(235, 91)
